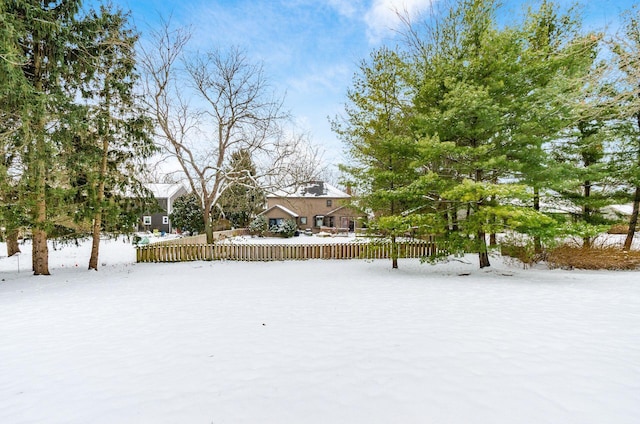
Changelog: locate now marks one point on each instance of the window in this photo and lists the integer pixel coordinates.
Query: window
(146, 220)
(319, 221)
(303, 220)
(165, 220)
(329, 202)
(276, 222)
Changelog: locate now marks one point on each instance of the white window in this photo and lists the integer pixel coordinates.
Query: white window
(165, 220)
(319, 221)
(146, 220)
(303, 220)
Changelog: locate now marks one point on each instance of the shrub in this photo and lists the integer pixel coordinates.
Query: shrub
(286, 230)
(258, 226)
(187, 214)
(609, 258)
(520, 247)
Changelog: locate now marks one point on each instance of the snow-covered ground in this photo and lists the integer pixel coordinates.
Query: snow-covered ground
(315, 342)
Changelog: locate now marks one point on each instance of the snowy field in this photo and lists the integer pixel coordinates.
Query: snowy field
(315, 342)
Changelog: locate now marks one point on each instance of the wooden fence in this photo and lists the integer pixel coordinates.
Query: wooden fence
(281, 252)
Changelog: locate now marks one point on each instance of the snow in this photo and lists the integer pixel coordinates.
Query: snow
(315, 342)
(319, 189)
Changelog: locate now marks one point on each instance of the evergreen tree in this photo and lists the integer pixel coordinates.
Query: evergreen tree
(51, 53)
(626, 49)
(63, 142)
(187, 214)
(381, 145)
(243, 199)
(118, 132)
(13, 89)
(468, 87)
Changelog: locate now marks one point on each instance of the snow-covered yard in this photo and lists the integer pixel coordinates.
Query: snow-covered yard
(315, 342)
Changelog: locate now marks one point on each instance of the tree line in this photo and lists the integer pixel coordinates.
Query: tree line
(472, 127)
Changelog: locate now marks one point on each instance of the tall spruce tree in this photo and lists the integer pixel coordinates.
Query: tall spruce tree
(13, 89)
(66, 56)
(50, 50)
(118, 132)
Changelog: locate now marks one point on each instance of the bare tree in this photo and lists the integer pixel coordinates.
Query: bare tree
(210, 105)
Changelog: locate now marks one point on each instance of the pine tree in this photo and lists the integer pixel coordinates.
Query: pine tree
(626, 49)
(243, 199)
(481, 102)
(381, 145)
(187, 214)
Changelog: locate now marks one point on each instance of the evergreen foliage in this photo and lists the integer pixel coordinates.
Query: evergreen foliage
(187, 214)
(70, 134)
(259, 226)
(243, 199)
(464, 132)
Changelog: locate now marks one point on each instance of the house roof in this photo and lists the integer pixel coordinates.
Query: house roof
(313, 189)
(285, 210)
(160, 190)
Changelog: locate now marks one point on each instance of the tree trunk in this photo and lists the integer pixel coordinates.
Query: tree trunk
(40, 261)
(394, 253)
(208, 227)
(483, 254)
(97, 219)
(633, 221)
(40, 258)
(37, 171)
(12, 242)
(586, 212)
(95, 242)
(537, 243)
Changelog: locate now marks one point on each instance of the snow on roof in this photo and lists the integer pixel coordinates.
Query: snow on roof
(285, 210)
(313, 189)
(161, 190)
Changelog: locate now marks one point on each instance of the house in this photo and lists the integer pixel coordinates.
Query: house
(158, 219)
(313, 205)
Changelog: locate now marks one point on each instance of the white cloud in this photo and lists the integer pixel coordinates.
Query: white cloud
(382, 17)
(345, 8)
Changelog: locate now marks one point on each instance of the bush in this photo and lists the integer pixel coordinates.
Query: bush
(608, 258)
(286, 230)
(524, 253)
(258, 226)
(520, 247)
(187, 214)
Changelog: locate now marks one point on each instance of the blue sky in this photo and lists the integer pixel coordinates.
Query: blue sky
(311, 48)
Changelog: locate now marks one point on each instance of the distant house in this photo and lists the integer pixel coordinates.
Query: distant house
(312, 206)
(158, 219)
